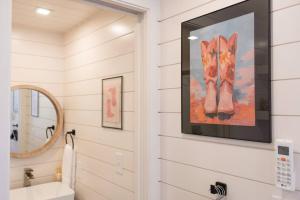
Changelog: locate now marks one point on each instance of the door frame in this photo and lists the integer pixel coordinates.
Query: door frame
(146, 139)
(5, 50)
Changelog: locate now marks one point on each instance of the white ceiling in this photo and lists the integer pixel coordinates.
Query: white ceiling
(65, 14)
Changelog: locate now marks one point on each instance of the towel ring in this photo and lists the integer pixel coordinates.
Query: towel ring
(71, 133)
(50, 128)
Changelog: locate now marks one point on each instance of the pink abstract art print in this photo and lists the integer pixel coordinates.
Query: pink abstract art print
(112, 102)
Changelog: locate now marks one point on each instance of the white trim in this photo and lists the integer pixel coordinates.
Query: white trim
(138, 155)
(147, 147)
(5, 34)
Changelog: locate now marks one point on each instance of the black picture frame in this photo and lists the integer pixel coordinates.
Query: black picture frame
(262, 131)
(120, 127)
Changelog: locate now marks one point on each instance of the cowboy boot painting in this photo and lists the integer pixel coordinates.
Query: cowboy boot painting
(227, 60)
(210, 68)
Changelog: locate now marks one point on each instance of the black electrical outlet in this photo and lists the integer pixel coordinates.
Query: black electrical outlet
(223, 185)
(213, 189)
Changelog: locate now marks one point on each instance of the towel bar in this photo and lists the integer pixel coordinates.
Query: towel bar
(71, 133)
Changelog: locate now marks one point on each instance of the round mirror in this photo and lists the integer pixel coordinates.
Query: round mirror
(36, 121)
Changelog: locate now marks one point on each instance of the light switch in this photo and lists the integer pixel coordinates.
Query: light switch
(119, 163)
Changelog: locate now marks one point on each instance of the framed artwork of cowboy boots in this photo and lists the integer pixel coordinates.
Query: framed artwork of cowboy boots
(112, 101)
(226, 73)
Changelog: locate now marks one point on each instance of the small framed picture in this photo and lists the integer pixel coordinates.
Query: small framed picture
(112, 89)
(35, 103)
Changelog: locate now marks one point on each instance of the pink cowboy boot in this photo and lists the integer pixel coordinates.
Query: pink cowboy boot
(210, 66)
(227, 59)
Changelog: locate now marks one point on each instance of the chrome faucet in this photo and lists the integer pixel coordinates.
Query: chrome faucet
(28, 176)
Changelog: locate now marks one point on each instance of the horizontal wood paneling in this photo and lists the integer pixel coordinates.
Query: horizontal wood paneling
(170, 28)
(171, 8)
(283, 32)
(36, 62)
(191, 163)
(98, 21)
(260, 168)
(109, 137)
(94, 102)
(106, 51)
(106, 171)
(94, 85)
(37, 59)
(95, 51)
(85, 193)
(285, 61)
(93, 118)
(103, 187)
(278, 4)
(54, 88)
(170, 53)
(104, 34)
(38, 75)
(170, 76)
(117, 65)
(169, 192)
(21, 32)
(170, 100)
(283, 127)
(197, 180)
(285, 98)
(38, 49)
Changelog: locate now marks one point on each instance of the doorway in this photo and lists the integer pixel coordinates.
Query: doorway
(68, 48)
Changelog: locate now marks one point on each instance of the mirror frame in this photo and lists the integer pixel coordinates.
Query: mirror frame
(59, 125)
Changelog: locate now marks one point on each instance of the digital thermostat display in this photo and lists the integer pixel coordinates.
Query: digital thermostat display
(283, 150)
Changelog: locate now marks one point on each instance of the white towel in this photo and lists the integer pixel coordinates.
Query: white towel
(47, 140)
(69, 167)
(74, 170)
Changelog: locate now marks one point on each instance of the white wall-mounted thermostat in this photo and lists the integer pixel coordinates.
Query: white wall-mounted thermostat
(284, 155)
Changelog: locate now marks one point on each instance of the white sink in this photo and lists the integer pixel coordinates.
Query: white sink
(48, 191)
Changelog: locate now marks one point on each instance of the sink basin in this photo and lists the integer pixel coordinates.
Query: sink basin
(48, 191)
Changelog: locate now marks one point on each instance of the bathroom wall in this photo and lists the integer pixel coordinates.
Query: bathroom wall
(150, 168)
(101, 47)
(37, 58)
(189, 164)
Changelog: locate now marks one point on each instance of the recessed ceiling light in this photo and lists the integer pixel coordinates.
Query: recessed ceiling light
(193, 37)
(42, 11)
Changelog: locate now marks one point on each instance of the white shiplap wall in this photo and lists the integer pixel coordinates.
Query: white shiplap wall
(37, 58)
(101, 47)
(189, 164)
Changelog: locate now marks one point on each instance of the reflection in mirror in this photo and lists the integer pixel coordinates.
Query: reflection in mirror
(33, 120)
